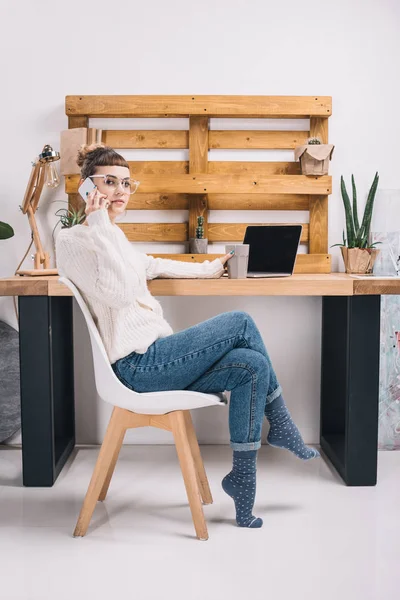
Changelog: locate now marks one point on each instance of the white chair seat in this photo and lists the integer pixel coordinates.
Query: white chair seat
(160, 403)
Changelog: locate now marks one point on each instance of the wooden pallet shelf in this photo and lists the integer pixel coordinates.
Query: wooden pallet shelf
(199, 184)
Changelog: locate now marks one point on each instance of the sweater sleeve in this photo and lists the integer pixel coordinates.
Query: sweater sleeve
(178, 269)
(98, 269)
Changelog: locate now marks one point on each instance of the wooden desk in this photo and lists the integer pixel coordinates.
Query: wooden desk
(350, 364)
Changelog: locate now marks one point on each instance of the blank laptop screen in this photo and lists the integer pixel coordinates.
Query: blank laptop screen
(272, 248)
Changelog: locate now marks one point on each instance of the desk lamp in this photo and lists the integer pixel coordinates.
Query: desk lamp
(43, 171)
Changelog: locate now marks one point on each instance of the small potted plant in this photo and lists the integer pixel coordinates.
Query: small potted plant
(314, 157)
(358, 254)
(6, 231)
(68, 217)
(198, 245)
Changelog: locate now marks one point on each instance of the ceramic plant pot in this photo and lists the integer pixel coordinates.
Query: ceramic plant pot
(198, 245)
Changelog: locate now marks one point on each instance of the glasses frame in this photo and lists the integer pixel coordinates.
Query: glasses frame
(120, 180)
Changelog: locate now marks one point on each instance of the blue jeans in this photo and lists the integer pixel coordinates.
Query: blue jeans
(225, 352)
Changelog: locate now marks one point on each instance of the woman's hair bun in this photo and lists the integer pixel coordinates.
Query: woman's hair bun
(85, 150)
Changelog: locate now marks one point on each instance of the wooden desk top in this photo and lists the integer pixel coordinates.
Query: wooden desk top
(333, 284)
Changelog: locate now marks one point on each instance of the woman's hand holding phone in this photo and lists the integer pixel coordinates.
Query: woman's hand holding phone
(93, 198)
(96, 201)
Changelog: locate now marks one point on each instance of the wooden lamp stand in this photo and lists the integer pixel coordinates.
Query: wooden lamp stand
(29, 207)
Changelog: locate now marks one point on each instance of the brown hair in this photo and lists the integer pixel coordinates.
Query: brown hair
(98, 155)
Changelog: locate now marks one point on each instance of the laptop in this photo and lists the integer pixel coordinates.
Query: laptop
(272, 249)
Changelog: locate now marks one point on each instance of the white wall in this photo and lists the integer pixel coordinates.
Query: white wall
(343, 49)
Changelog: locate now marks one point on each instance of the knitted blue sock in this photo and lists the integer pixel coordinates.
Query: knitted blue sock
(283, 432)
(240, 484)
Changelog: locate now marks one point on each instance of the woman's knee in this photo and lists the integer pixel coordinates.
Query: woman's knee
(241, 316)
(255, 361)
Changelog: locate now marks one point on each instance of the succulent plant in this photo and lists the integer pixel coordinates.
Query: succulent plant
(313, 141)
(6, 231)
(68, 217)
(357, 235)
(200, 228)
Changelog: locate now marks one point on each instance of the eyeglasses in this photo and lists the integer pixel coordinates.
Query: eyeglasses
(112, 182)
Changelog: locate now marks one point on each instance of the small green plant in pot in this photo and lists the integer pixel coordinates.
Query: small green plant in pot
(358, 254)
(198, 245)
(6, 231)
(68, 217)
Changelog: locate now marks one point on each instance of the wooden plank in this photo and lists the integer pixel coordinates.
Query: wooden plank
(374, 286)
(211, 183)
(148, 139)
(221, 202)
(158, 202)
(318, 224)
(296, 285)
(197, 207)
(25, 286)
(179, 139)
(155, 232)
(319, 204)
(198, 144)
(266, 140)
(235, 201)
(319, 128)
(210, 105)
(230, 201)
(234, 232)
(313, 263)
(163, 167)
(305, 263)
(178, 232)
(198, 163)
(74, 122)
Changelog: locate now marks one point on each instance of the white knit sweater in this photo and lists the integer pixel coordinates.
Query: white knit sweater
(111, 276)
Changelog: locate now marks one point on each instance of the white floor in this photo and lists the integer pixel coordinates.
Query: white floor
(321, 540)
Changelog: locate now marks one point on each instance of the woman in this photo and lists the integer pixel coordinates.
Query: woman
(225, 352)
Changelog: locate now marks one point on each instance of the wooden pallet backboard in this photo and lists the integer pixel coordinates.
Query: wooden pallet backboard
(200, 185)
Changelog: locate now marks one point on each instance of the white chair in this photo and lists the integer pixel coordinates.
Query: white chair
(168, 410)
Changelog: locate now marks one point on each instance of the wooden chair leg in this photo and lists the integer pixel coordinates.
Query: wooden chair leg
(179, 430)
(198, 461)
(101, 470)
(111, 468)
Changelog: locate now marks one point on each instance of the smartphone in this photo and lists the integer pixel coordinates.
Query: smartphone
(86, 187)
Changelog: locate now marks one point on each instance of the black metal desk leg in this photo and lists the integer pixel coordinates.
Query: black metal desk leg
(47, 387)
(350, 386)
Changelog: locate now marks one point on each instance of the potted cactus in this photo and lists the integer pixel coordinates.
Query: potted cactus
(358, 254)
(198, 245)
(314, 156)
(6, 231)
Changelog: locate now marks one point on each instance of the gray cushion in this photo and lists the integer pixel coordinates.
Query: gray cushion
(10, 405)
